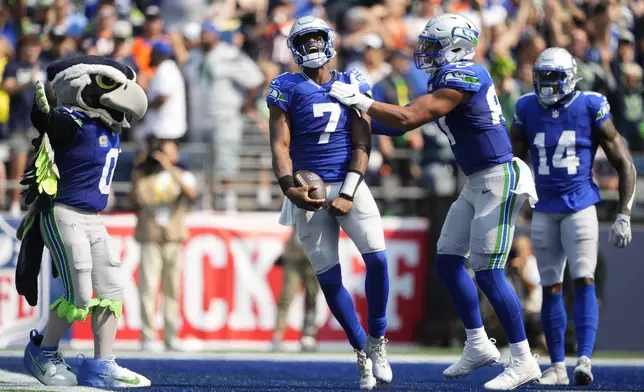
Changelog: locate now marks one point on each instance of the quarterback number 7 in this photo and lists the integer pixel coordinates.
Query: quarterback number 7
(319, 109)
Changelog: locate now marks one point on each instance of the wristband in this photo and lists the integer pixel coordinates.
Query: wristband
(286, 182)
(364, 104)
(350, 185)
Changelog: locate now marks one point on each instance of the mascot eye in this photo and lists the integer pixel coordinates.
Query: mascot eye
(105, 82)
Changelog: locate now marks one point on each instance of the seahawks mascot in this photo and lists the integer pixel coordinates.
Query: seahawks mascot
(68, 184)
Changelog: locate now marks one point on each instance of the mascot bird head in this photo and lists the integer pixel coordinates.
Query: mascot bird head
(99, 87)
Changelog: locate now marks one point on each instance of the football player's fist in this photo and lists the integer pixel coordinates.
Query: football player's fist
(41, 98)
(300, 196)
(339, 206)
(620, 232)
(350, 95)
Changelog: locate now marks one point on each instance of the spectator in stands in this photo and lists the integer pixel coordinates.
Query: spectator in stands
(100, 41)
(297, 271)
(142, 45)
(372, 64)
(19, 81)
(6, 52)
(122, 34)
(225, 83)
(162, 192)
(398, 88)
(62, 45)
(8, 28)
(166, 115)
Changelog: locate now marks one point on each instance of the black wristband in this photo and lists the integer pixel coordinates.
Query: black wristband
(286, 182)
(345, 196)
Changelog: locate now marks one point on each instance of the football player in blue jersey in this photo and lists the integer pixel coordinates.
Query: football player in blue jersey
(69, 183)
(562, 129)
(462, 101)
(309, 130)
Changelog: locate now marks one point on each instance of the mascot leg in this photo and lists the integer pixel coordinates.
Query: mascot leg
(103, 371)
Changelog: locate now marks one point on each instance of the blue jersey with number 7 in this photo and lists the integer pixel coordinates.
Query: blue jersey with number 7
(86, 163)
(475, 129)
(320, 125)
(563, 146)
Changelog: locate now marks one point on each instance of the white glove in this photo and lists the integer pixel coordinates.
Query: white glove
(620, 231)
(41, 98)
(350, 95)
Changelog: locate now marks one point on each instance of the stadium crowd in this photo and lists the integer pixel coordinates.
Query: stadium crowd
(205, 66)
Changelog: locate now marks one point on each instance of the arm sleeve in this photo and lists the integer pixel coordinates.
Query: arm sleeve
(277, 95)
(461, 79)
(599, 108)
(355, 77)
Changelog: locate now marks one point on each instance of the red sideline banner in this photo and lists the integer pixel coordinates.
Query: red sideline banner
(230, 286)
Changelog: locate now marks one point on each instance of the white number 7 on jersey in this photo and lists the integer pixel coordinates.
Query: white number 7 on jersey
(318, 111)
(565, 145)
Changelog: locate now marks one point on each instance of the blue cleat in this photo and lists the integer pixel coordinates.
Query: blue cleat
(106, 373)
(48, 366)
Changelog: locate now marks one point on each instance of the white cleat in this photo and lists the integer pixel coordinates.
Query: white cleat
(367, 380)
(555, 375)
(518, 372)
(377, 352)
(484, 354)
(106, 373)
(583, 373)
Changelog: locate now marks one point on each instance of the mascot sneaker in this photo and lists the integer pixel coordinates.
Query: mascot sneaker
(48, 366)
(106, 373)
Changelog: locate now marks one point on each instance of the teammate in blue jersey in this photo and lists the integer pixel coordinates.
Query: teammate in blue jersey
(69, 183)
(310, 130)
(461, 99)
(562, 129)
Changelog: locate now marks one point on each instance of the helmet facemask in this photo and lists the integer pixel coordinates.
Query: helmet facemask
(312, 53)
(553, 84)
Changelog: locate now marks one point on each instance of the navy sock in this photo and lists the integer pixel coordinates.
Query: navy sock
(377, 290)
(505, 302)
(341, 305)
(461, 289)
(586, 319)
(553, 322)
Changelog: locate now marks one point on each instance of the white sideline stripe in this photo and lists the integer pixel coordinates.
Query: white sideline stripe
(321, 357)
(23, 382)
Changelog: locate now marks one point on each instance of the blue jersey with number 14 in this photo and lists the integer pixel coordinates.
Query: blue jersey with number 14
(563, 146)
(475, 129)
(86, 163)
(320, 125)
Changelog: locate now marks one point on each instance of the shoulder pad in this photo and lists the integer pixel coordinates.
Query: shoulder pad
(460, 76)
(353, 76)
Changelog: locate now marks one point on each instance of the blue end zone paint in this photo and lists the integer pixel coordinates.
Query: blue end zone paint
(270, 376)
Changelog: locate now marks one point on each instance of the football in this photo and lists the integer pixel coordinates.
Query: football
(305, 177)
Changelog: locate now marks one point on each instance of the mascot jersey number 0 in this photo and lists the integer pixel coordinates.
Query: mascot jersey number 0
(68, 183)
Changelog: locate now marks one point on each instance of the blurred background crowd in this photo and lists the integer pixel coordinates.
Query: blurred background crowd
(206, 64)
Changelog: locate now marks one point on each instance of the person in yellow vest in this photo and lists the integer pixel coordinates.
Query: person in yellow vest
(162, 193)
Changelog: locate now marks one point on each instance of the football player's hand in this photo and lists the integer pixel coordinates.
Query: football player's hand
(41, 98)
(339, 206)
(300, 197)
(620, 232)
(350, 95)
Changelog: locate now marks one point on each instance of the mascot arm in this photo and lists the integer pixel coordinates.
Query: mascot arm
(59, 125)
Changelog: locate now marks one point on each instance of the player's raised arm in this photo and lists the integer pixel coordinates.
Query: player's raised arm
(361, 141)
(424, 109)
(619, 156)
(280, 139)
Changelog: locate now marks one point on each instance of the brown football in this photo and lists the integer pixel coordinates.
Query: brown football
(306, 177)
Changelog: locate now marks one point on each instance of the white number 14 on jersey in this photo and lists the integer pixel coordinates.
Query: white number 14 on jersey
(564, 155)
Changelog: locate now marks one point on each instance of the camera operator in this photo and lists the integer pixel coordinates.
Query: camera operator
(161, 193)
